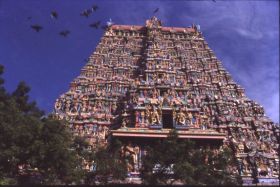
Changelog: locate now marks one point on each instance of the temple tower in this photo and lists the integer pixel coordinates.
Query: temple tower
(143, 81)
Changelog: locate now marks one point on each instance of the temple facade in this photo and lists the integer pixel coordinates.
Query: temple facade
(143, 81)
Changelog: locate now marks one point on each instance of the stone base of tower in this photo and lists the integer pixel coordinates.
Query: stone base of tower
(136, 140)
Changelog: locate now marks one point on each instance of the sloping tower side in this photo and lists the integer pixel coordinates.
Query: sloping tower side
(142, 81)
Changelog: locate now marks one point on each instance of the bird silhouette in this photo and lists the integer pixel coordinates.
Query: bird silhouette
(95, 24)
(86, 13)
(54, 15)
(156, 10)
(94, 8)
(36, 27)
(64, 33)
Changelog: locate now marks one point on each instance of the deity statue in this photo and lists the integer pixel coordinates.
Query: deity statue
(68, 105)
(246, 168)
(196, 119)
(155, 94)
(137, 117)
(114, 107)
(154, 78)
(124, 123)
(142, 117)
(240, 147)
(154, 118)
(189, 118)
(147, 114)
(181, 118)
(131, 151)
(203, 124)
(57, 105)
(165, 101)
(98, 93)
(262, 168)
(262, 146)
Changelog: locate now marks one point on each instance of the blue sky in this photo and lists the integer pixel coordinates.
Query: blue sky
(244, 35)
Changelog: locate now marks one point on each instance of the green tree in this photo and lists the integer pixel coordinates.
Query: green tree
(32, 145)
(109, 164)
(19, 128)
(175, 160)
(57, 160)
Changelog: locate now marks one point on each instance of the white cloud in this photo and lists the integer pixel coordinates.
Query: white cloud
(252, 63)
(256, 35)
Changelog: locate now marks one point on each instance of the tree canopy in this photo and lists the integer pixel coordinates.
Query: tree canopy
(109, 165)
(31, 144)
(40, 149)
(174, 160)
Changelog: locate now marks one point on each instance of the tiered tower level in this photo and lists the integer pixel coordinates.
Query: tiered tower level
(142, 81)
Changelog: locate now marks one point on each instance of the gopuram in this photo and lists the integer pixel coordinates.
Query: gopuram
(143, 81)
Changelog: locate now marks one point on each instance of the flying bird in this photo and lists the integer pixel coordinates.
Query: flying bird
(156, 10)
(86, 13)
(64, 33)
(54, 15)
(36, 27)
(94, 8)
(95, 24)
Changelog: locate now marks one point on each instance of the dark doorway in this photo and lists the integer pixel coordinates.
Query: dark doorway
(167, 121)
(162, 91)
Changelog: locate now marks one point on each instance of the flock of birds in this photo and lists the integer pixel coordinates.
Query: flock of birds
(86, 13)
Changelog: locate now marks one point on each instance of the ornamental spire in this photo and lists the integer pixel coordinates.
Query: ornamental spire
(154, 22)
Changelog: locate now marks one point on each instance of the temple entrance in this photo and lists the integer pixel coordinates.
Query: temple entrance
(167, 121)
(162, 91)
